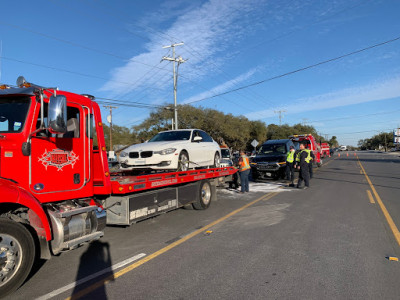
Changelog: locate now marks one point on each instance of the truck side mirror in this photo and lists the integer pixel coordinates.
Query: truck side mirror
(58, 114)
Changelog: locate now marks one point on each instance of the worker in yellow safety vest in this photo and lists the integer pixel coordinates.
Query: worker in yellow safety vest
(290, 165)
(303, 159)
(244, 171)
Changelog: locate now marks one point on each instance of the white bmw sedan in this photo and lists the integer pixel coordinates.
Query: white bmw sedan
(177, 150)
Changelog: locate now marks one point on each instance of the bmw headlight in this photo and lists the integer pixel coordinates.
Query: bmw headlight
(165, 151)
(123, 154)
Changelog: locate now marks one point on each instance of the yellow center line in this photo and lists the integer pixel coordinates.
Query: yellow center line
(146, 259)
(385, 212)
(371, 199)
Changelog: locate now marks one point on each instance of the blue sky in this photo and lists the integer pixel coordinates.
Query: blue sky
(113, 50)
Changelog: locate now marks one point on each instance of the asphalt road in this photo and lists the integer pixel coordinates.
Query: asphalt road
(331, 241)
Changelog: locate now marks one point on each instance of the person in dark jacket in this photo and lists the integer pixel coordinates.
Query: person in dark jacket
(311, 163)
(302, 162)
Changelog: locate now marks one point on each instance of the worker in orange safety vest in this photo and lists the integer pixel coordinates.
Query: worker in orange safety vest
(244, 171)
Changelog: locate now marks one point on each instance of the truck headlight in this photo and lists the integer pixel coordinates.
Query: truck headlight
(123, 154)
(165, 151)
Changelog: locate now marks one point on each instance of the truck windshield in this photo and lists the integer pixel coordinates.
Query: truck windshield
(225, 153)
(166, 136)
(13, 112)
(272, 149)
(306, 143)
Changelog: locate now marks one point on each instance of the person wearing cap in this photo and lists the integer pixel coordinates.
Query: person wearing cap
(290, 156)
(303, 159)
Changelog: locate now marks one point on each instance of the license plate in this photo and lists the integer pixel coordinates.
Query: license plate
(140, 162)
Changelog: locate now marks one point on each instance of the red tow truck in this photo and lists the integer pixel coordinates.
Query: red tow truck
(310, 143)
(56, 190)
(325, 150)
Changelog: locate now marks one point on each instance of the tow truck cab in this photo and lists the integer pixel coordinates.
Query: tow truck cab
(310, 143)
(53, 168)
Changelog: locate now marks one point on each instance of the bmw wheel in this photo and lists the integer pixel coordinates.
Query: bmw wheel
(217, 160)
(183, 161)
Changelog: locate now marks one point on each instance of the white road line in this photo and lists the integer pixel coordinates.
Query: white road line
(90, 277)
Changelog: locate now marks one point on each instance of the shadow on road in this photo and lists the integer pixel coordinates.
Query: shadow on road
(97, 258)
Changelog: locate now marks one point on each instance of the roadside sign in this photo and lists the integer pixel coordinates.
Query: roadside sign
(254, 143)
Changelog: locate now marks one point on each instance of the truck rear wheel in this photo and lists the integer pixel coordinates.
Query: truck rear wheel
(17, 254)
(205, 195)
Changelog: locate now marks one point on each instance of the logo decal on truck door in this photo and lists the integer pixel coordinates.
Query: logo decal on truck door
(58, 158)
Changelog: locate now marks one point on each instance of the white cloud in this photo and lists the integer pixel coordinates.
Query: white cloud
(206, 30)
(383, 90)
(221, 88)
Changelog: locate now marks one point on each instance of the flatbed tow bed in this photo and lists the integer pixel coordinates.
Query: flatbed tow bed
(135, 198)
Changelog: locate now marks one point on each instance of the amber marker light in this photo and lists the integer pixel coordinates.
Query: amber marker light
(107, 174)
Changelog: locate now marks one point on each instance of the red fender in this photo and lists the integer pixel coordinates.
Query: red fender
(12, 193)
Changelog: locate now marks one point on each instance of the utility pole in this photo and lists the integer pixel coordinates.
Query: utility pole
(385, 142)
(280, 115)
(304, 121)
(109, 119)
(178, 60)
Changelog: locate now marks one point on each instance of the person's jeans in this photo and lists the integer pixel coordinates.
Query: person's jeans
(244, 179)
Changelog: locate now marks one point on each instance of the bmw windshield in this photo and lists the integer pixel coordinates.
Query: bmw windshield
(168, 136)
(13, 112)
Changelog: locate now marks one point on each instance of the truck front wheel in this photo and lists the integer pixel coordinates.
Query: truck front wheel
(205, 195)
(17, 254)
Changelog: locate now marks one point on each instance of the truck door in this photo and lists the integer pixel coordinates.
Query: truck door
(60, 163)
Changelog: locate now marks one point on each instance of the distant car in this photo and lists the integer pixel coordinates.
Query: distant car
(177, 150)
(226, 157)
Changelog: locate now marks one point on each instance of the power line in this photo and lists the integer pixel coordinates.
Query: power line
(300, 70)
(79, 45)
(354, 117)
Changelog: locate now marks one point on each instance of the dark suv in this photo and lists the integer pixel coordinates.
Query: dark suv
(270, 160)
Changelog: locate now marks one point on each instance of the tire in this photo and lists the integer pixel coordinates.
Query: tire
(205, 195)
(254, 176)
(17, 254)
(217, 160)
(183, 161)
